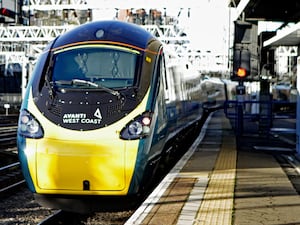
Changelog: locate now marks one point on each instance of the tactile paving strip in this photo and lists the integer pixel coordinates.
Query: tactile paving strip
(217, 204)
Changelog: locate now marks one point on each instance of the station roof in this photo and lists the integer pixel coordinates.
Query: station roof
(287, 37)
(268, 10)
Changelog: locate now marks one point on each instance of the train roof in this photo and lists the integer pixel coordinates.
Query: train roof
(110, 30)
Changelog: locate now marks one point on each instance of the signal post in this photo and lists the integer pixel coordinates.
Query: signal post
(244, 68)
(241, 73)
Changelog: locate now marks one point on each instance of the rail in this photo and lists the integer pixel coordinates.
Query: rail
(11, 177)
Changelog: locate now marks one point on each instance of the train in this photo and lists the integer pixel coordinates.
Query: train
(104, 104)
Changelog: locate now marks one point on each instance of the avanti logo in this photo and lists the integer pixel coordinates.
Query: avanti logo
(82, 118)
(98, 114)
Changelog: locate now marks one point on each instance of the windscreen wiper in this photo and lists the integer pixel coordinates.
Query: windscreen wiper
(90, 83)
(84, 82)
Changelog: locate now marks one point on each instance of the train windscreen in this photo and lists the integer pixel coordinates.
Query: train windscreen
(94, 66)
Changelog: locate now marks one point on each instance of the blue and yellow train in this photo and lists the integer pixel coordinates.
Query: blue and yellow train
(103, 105)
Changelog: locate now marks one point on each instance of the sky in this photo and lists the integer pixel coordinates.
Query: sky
(207, 26)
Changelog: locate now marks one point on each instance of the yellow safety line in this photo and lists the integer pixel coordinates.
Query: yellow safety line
(217, 205)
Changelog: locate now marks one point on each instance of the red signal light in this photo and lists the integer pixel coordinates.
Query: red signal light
(7, 12)
(3, 11)
(241, 72)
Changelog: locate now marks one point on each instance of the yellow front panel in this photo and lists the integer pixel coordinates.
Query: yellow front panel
(60, 162)
(65, 165)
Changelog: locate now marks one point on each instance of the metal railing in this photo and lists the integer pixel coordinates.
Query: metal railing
(252, 116)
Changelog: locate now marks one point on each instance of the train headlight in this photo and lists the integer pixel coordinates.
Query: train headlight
(28, 126)
(137, 128)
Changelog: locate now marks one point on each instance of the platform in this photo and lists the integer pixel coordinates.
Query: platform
(215, 183)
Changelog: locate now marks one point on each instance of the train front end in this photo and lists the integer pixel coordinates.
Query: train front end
(86, 111)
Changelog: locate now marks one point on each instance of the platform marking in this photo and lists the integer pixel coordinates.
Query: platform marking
(140, 214)
(191, 207)
(217, 204)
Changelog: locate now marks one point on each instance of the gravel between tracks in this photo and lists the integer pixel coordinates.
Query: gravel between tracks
(21, 208)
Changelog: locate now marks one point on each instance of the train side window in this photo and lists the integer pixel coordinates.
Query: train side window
(164, 77)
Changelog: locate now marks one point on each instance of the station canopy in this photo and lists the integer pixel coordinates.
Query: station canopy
(268, 10)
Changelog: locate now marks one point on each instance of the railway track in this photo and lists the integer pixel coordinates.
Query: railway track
(10, 177)
(8, 137)
(62, 217)
(10, 173)
(8, 120)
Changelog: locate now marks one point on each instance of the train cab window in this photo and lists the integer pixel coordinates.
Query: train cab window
(95, 66)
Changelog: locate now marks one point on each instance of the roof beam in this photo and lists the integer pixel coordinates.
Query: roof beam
(109, 4)
(240, 8)
(287, 37)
